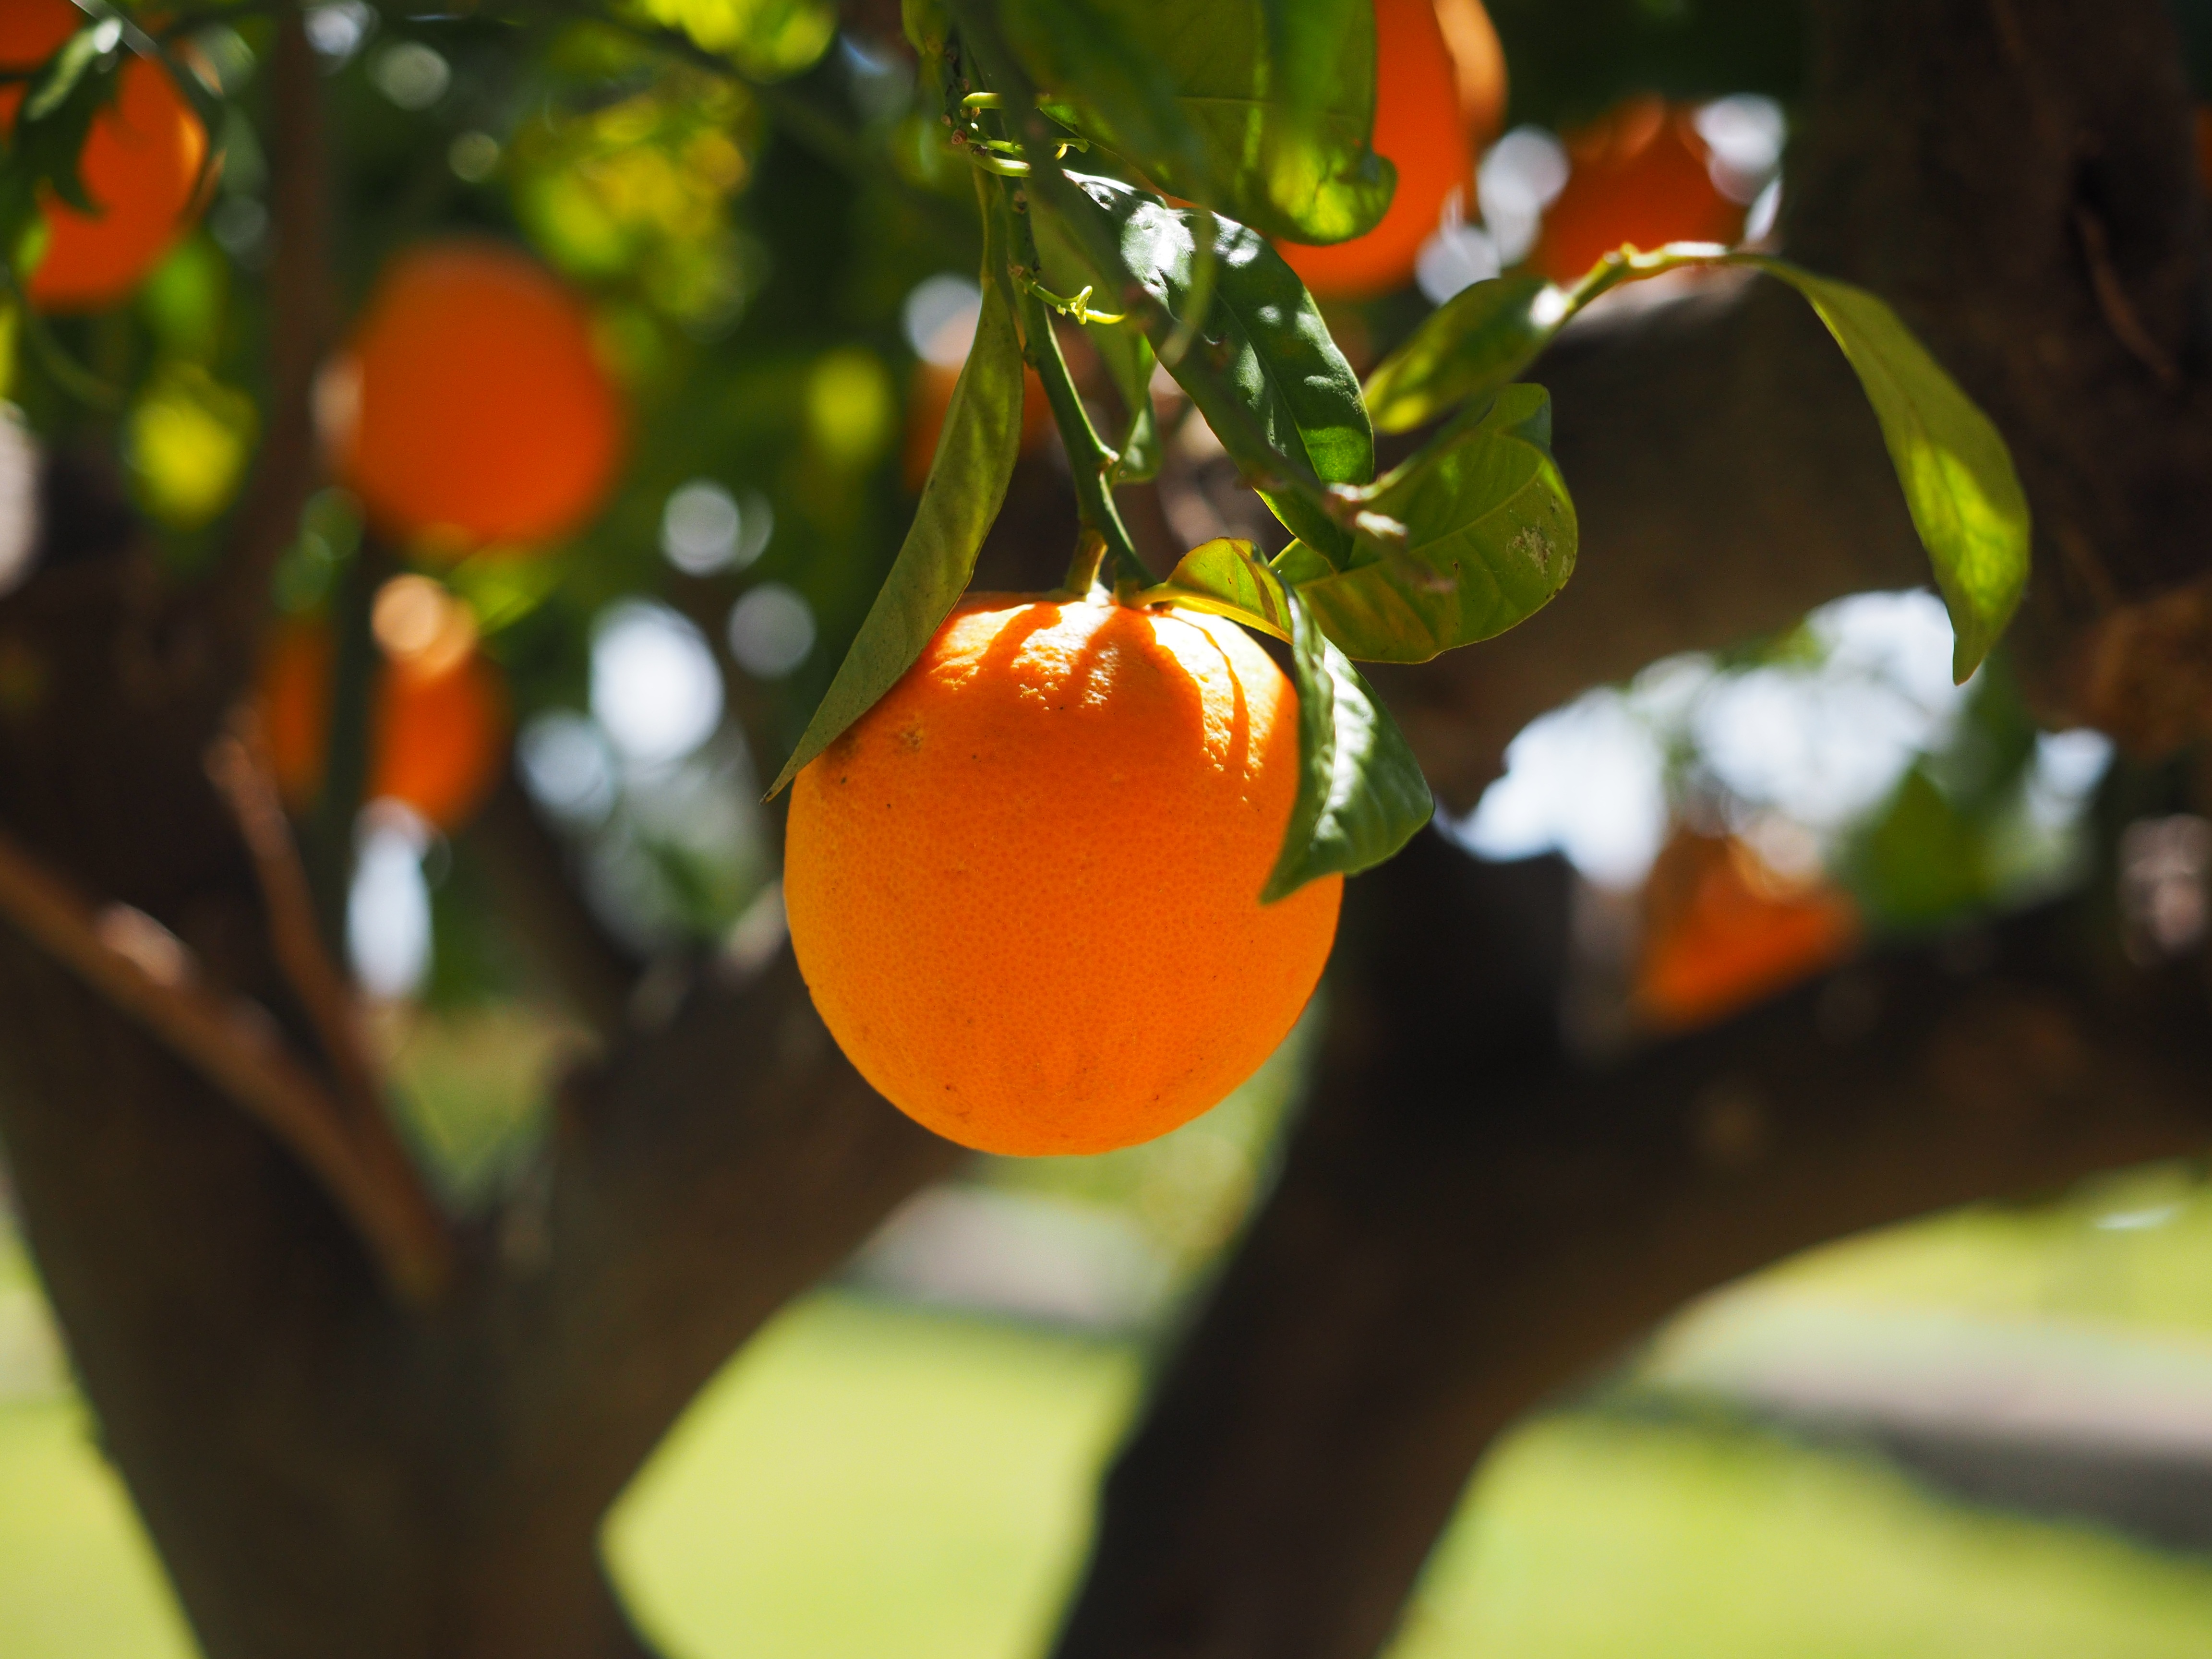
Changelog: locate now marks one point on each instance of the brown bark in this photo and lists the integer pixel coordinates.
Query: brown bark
(1469, 1219)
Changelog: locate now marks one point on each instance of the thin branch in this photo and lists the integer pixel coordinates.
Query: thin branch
(145, 974)
(299, 292)
(530, 876)
(238, 764)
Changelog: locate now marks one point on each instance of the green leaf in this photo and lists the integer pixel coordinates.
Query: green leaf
(929, 23)
(1960, 485)
(1273, 101)
(1230, 578)
(967, 481)
(1361, 795)
(1491, 537)
(58, 106)
(1265, 343)
(1478, 341)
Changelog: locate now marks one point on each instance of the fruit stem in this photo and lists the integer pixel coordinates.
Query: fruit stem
(1090, 461)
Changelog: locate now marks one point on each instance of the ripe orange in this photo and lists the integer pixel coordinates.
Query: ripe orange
(1638, 175)
(141, 162)
(1722, 931)
(1439, 97)
(1023, 888)
(471, 406)
(439, 722)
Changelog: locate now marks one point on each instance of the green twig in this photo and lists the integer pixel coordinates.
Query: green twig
(1089, 460)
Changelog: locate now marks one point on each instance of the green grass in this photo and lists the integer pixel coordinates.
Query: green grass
(866, 1483)
(1591, 1538)
(77, 1578)
(865, 1480)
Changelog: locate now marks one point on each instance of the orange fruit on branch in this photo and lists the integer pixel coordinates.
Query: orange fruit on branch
(1439, 98)
(1024, 887)
(141, 163)
(1638, 174)
(438, 721)
(472, 407)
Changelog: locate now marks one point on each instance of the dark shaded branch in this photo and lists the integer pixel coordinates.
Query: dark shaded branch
(530, 872)
(1470, 1219)
(146, 975)
(301, 305)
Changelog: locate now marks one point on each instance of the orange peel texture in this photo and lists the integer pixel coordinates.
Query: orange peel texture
(1023, 888)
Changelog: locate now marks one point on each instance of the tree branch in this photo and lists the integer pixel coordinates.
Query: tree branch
(148, 975)
(1470, 1219)
(300, 321)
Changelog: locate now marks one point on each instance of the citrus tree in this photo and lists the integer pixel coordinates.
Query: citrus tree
(367, 364)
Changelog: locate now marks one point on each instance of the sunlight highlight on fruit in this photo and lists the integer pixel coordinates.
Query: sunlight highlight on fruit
(1440, 96)
(473, 406)
(142, 163)
(1023, 888)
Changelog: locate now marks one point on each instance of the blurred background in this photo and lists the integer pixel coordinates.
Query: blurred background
(1985, 1433)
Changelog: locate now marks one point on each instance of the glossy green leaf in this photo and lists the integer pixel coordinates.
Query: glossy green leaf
(1960, 485)
(1272, 100)
(1230, 578)
(1477, 342)
(1491, 537)
(967, 481)
(1361, 794)
(1264, 345)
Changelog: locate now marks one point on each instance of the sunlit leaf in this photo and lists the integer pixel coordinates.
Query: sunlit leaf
(967, 481)
(1491, 537)
(1266, 344)
(1480, 340)
(1230, 578)
(1361, 794)
(1960, 485)
(1263, 109)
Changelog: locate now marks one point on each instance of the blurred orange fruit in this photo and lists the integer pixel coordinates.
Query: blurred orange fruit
(1023, 888)
(929, 397)
(1722, 930)
(439, 723)
(471, 406)
(1439, 98)
(142, 163)
(1638, 175)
